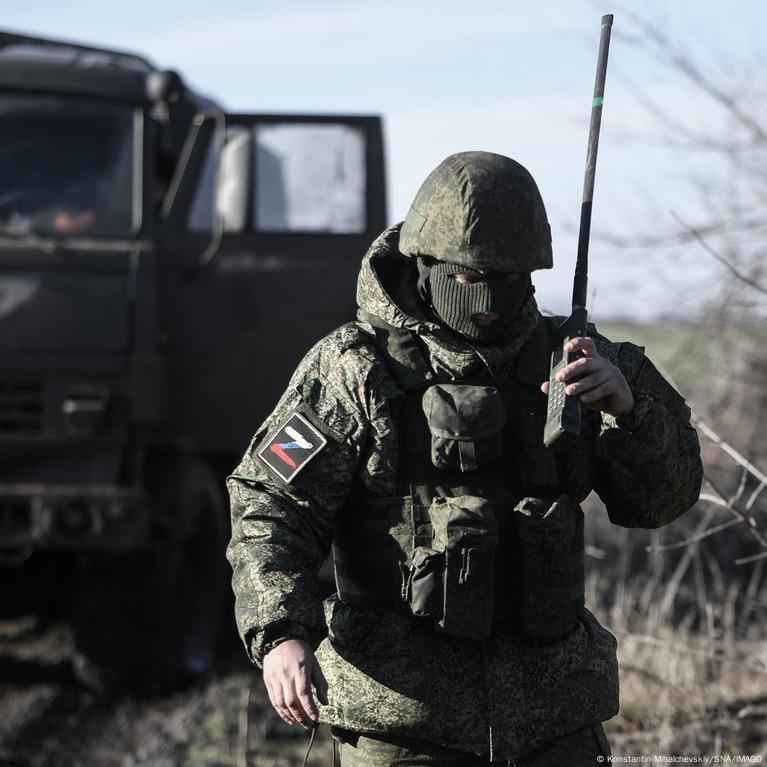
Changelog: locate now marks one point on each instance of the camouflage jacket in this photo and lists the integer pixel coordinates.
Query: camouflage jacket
(391, 674)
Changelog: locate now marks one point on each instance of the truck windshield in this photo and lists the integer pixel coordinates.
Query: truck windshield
(67, 166)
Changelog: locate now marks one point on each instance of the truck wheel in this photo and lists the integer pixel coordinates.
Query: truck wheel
(150, 622)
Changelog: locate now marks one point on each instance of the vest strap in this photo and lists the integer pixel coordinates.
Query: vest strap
(405, 357)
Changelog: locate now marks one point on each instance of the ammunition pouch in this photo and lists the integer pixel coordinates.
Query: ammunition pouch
(422, 585)
(466, 425)
(452, 581)
(548, 578)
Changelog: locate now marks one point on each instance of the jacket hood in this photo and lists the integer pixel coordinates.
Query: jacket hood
(386, 291)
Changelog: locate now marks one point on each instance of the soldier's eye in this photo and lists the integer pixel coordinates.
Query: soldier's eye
(465, 278)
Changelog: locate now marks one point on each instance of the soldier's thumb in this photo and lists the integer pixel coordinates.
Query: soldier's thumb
(320, 684)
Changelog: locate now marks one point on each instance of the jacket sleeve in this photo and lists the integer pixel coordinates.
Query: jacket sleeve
(649, 470)
(282, 531)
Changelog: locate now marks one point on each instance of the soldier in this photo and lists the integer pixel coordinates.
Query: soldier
(411, 443)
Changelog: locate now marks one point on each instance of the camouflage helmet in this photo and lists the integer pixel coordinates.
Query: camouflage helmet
(480, 210)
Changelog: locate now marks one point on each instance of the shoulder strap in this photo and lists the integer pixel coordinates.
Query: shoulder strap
(405, 357)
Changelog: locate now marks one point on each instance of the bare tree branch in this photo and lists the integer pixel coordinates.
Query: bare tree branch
(731, 451)
(721, 259)
(743, 516)
(753, 558)
(672, 586)
(695, 538)
(731, 224)
(755, 496)
(688, 68)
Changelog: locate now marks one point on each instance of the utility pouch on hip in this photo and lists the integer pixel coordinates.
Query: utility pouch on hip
(453, 581)
(548, 566)
(423, 584)
(466, 424)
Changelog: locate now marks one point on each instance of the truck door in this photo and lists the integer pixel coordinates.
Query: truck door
(260, 270)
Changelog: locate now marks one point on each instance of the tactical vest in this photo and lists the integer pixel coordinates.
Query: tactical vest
(479, 533)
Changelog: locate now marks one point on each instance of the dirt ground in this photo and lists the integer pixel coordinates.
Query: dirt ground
(47, 719)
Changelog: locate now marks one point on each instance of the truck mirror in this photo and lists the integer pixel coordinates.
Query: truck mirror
(233, 181)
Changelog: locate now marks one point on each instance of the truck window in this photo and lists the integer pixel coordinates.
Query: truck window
(306, 178)
(67, 166)
(309, 178)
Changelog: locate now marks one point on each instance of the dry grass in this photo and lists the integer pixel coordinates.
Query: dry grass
(680, 698)
(687, 602)
(692, 646)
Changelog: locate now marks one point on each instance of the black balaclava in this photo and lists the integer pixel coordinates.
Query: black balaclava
(455, 303)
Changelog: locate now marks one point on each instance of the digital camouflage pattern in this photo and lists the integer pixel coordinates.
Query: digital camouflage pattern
(394, 675)
(584, 746)
(480, 210)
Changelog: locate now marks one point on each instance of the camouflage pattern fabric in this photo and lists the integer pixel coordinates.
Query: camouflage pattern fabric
(389, 674)
(582, 748)
(480, 210)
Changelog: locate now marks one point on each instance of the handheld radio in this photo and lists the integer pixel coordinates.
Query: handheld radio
(563, 417)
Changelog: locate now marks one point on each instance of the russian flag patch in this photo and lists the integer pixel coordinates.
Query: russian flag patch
(291, 447)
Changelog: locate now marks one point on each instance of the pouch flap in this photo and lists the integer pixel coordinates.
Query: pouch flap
(463, 411)
(544, 523)
(461, 520)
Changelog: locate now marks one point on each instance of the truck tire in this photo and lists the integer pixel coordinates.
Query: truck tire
(150, 622)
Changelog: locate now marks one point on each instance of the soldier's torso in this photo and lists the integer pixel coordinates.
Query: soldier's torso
(460, 517)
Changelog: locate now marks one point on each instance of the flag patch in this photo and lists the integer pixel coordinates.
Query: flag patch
(291, 447)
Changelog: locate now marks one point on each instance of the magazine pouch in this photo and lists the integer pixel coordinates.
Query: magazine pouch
(423, 588)
(453, 580)
(548, 564)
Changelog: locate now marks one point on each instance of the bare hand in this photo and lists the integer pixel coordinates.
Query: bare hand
(601, 385)
(290, 669)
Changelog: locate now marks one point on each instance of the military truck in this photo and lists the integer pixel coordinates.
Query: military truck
(164, 265)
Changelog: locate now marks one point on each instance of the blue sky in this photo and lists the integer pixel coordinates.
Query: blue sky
(511, 77)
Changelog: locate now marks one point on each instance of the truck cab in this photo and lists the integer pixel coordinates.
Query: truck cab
(164, 265)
